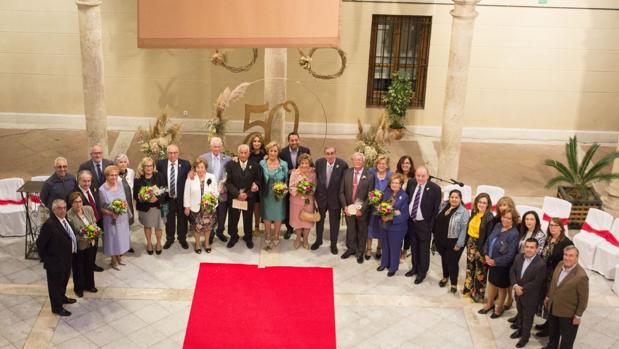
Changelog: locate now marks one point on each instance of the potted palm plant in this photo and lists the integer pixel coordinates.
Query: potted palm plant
(579, 177)
(397, 100)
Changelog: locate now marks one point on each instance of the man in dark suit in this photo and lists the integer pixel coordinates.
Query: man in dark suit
(242, 180)
(329, 173)
(96, 165)
(217, 162)
(353, 196)
(57, 247)
(175, 171)
(290, 154)
(90, 197)
(527, 275)
(567, 300)
(425, 199)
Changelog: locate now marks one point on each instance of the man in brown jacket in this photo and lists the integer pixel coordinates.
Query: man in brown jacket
(567, 300)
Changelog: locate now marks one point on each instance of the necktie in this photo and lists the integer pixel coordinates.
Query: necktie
(93, 204)
(70, 232)
(173, 180)
(416, 203)
(329, 172)
(355, 182)
(99, 173)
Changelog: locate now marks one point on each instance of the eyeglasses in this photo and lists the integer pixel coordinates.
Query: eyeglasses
(62, 166)
(330, 153)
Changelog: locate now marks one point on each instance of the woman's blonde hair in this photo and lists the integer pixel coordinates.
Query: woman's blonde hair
(140, 169)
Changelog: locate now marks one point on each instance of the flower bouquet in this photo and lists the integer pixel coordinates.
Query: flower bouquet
(280, 189)
(147, 193)
(91, 232)
(374, 197)
(118, 207)
(305, 188)
(209, 202)
(385, 209)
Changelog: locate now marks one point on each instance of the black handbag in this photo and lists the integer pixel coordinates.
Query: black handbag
(503, 247)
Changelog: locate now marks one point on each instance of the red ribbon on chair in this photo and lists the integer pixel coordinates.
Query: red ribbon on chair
(606, 234)
(12, 202)
(468, 205)
(565, 221)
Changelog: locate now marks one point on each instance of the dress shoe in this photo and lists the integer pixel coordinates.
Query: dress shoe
(360, 259)
(334, 249)
(513, 318)
(287, 234)
(521, 343)
(496, 316)
(484, 311)
(516, 334)
(346, 254)
(62, 312)
(316, 245)
(232, 242)
(97, 268)
(198, 250)
(391, 273)
(131, 250)
(453, 289)
(250, 244)
(419, 279)
(410, 273)
(540, 327)
(222, 237)
(542, 334)
(442, 283)
(69, 301)
(80, 294)
(93, 290)
(184, 244)
(167, 244)
(513, 326)
(381, 268)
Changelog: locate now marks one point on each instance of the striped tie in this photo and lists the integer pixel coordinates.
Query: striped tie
(173, 180)
(416, 203)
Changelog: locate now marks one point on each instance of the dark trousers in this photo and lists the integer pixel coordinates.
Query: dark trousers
(562, 332)
(407, 241)
(356, 234)
(233, 221)
(449, 259)
(525, 316)
(83, 273)
(334, 224)
(57, 288)
(420, 246)
(222, 211)
(176, 219)
(391, 241)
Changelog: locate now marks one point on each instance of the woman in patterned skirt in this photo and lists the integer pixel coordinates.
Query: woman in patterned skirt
(478, 229)
(201, 221)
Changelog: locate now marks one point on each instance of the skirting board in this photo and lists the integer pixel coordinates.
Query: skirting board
(310, 129)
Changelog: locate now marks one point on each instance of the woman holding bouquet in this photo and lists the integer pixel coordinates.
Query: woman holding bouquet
(272, 209)
(392, 226)
(82, 220)
(200, 201)
(303, 185)
(148, 193)
(381, 174)
(450, 228)
(117, 237)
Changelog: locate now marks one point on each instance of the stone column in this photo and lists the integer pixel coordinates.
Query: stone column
(611, 201)
(462, 26)
(89, 14)
(275, 74)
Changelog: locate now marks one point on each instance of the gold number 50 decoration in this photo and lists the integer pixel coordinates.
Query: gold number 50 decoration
(267, 124)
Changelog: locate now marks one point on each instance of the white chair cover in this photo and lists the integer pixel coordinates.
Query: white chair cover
(522, 209)
(495, 193)
(466, 191)
(12, 211)
(607, 255)
(587, 242)
(39, 178)
(555, 207)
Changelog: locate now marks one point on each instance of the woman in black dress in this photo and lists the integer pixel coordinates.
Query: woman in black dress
(257, 152)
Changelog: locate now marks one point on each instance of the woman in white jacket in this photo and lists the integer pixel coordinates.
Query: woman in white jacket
(201, 222)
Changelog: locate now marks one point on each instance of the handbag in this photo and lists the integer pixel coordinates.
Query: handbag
(311, 217)
(503, 247)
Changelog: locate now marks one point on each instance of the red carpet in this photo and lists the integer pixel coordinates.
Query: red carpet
(242, 306)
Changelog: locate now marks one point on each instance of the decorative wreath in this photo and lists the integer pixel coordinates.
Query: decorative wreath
(219, 58)
(306, 63)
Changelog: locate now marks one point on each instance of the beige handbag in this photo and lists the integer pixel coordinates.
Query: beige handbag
(312, 217)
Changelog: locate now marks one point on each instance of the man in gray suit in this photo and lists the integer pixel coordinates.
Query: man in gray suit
(217, 161)
(329, 173)
(353, 195)
(527, 274)
(96, 165)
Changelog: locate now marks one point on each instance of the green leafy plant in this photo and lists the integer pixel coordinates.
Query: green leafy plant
(581, 175)
(398, 98)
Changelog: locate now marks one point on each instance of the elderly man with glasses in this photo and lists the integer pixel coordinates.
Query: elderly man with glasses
(59, 185)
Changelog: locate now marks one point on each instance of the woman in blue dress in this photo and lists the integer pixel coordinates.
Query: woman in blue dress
(392, 230)
(381, 173)
(117, 235)
(272, 209)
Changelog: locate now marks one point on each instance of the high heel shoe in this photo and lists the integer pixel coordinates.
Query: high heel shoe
(484, 311)
(306, 245)
(150, 252)
(296, 244)
(368, 254)
(114, 266)
(378, 253)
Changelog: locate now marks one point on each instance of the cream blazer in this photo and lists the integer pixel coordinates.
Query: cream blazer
(192, 195)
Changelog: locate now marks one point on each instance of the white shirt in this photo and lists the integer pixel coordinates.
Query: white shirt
(65, 224)
(216, 165)
(175, 176)
(243, 165)
(417, 216)
(525, 265)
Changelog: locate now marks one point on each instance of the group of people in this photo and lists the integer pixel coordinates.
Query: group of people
(507, 257)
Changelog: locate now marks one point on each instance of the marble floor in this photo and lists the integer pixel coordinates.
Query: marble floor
(146, 304)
